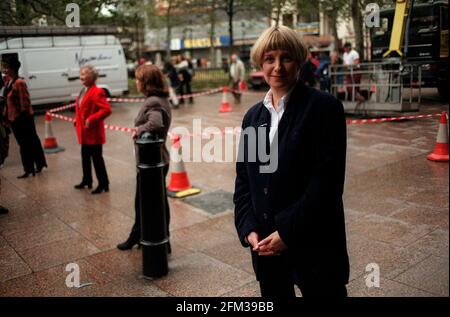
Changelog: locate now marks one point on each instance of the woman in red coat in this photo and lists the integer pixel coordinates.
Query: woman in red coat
(91, 109)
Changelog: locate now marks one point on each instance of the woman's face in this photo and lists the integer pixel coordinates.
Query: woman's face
(279, 69)
(86, 78)
(8, 72)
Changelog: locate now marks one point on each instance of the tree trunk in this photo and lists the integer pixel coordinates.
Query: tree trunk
(169, 40)
(334, 28)
(357, 26)
(169, 33)
(138, 41)
(230, 12)
(277, 19)
(212, 32)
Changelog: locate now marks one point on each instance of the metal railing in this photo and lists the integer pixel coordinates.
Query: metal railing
(385, 86)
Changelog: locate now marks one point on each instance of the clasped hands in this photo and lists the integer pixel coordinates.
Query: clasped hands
(272, 245)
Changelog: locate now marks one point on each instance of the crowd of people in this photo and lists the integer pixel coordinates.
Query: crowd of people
(291, 219)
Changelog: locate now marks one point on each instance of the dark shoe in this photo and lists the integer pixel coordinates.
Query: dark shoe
(82, 185)
(26, 175)
(100, 189)
(40, 168)
(3, 210)
(128, 245)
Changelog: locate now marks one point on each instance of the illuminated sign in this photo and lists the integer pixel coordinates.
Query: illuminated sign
(308, 28)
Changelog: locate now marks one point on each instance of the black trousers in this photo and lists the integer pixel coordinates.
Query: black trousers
(185, 88)
(31, 151)
(279, 277)
(136, 229)
(94, 153)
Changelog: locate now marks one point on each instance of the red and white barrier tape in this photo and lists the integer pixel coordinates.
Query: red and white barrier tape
(62, 108)
(52, 113)
(379, 120)
(64, 118)
(247, 92)
(117, 128)
(209, 92)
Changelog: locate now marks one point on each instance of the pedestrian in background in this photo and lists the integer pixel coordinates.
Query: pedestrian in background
(237, 74)
(4, 127)
(154, 117)
(173, 80)
(91, 109)
(353, 78)
(308, 71)
(20, 116)
(4, 137)
(292, 217)
(185, 77)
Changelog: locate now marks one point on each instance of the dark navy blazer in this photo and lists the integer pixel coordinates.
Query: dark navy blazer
(302, 198)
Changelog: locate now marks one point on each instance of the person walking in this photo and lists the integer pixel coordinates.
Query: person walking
(237, 74)
(154, 117)
(91, 109)
(20, 116)
(173, 81)
(289, 210)
(185, 77)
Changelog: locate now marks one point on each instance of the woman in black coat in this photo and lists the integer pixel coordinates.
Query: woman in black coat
(288, 206)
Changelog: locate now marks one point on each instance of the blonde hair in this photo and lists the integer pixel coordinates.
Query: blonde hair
(279, 38)
(93, 73)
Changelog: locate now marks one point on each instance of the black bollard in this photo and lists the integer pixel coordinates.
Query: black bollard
(154, 235)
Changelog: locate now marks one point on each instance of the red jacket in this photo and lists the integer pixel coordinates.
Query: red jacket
(18, 100)
(94, 108)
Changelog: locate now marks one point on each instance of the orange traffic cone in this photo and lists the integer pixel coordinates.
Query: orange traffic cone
(225, 106)
(440, 153)
(179, 185)
(50, 144)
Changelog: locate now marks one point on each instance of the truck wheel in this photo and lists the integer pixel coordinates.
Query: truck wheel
(443, 89)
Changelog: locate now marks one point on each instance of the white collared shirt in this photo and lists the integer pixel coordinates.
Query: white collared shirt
(275, 114)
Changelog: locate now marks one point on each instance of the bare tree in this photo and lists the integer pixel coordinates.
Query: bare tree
(358, 27)
(212, 16)
(231, 8)
(24, 12)
(333, 9)
(278, 5)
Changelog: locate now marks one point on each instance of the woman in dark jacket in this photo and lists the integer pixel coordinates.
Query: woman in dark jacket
(288, 208)
(154, 117)
(19, 113)
(91, 109)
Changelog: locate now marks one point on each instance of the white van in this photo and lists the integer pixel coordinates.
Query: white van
(51, 65)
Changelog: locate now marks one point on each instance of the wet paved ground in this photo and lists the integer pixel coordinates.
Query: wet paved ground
(396, 211)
